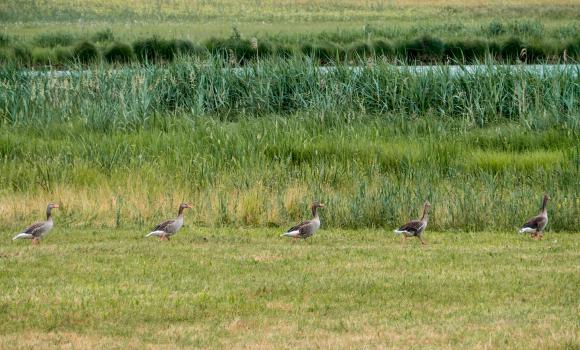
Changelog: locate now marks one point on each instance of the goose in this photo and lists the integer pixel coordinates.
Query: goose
(536, 225)
(416, 227)
(307, 228)
(168, 228)
(37, 230)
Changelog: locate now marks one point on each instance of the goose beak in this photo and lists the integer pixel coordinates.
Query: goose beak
(189, 206)
(322, 205)
(55, 206)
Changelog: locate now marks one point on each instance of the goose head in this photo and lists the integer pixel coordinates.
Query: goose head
(317, 205)
(185, 206)
(52, 206)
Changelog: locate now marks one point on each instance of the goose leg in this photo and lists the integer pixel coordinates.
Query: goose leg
(35, 241)
(422, 241)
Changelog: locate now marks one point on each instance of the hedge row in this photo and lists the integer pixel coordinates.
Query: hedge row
(238, 51)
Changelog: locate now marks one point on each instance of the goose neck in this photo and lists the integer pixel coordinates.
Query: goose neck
(314, 212)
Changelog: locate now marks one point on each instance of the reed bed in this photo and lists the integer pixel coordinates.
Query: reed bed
(134, 98)
(253, 147)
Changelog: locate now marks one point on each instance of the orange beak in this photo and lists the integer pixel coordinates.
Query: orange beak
(189, 205)
(55, 206)
(322, 205)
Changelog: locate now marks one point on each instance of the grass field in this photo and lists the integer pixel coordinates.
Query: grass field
(201, 19)
(242, 289)
(46, 33)
(294, 21)
(143, 123)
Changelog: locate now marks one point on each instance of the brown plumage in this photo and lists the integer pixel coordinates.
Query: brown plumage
(416, 227)
(535, 226)
(37, 230)
(307, 228)
(168, 228)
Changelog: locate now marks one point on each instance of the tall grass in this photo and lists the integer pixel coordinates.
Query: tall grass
(371, 172)
(135, 98)
(253, 147)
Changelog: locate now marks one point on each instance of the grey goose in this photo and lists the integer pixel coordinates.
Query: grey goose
(416, 227)
(535, 226)
(168, 228)
(36, 231)
(307, 228)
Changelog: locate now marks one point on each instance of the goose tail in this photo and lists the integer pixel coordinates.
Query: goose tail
(154, 233)
(295, 233)
(22, 236)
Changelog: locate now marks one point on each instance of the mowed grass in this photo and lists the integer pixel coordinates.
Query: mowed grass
(249, 288)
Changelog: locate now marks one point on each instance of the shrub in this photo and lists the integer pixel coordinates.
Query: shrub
(103, 36)
(383, 48)
(147, 50)
(511, 49)
(325, 54)
(238, 49)
(424, 49)
(54, 39)
(536, 52)
(154, 50)
(167, 49)
(573, 49)
(85, 52)
(466, 51)
(186, 48)
(119, 53)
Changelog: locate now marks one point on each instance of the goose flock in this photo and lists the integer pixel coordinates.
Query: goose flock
(534, 226)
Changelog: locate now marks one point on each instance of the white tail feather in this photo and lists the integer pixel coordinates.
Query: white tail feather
(22, 236)
(399, 232)
(527, 229)
(155, 233)
(295, 233)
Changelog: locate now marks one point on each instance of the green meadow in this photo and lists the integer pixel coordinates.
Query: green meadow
(249, 288)
(119, 111)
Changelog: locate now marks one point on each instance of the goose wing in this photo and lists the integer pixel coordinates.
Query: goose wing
(163, 226)
(413, 226)
(34, 229)
(535, 223)
(300, 226)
